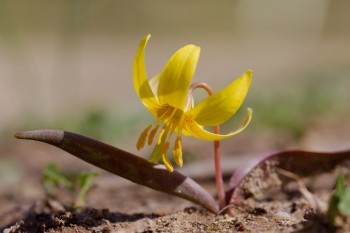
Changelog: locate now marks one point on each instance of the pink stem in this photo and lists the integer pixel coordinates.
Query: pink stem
(217, 160)
(218, 173)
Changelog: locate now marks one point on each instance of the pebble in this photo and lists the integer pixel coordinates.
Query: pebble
(282, 216)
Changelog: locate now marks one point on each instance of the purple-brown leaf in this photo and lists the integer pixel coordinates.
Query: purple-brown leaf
(302, 163)
(126, 165)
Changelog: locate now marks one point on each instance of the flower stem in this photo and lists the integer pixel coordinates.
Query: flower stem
(217, 160)
(218, 173)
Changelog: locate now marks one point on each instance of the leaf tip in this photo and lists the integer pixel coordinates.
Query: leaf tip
(20, 135)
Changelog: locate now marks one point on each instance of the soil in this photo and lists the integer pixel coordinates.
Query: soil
(278, 215)
(117, 205)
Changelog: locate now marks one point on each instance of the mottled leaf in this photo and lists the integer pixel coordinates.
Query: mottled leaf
(124, 164)
(302, 163)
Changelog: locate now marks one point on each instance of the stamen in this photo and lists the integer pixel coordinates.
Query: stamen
(172, 130)
(152, 134)
(166, 112)
(181, 123)
(165, 159)
(177, 152)
(174, 110)
(142, 139)
(161, 134)
(177, 123)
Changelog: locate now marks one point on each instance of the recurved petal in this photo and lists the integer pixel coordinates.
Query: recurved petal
(176, 77)
(193, 129)
(154, 82)
(220, 106)
(141, 84)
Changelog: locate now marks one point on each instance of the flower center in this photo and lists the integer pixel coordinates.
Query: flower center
(172, 120)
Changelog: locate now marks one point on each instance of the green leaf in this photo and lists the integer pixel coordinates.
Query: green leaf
(344, 202)
(53, 178)
(86, 181)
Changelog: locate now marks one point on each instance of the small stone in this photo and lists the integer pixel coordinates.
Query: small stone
(190, 210)
(282, 216)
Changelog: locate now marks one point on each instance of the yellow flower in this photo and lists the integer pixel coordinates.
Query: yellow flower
(168, 97)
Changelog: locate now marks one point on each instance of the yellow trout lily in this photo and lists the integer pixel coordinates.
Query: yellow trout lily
(169, 98)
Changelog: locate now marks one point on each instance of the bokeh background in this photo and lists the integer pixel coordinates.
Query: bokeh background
(68, 65)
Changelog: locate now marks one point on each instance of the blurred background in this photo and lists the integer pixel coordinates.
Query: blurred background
(68, 65)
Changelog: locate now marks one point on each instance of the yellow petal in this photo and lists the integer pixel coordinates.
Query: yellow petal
(176, 77)
(141, 84)
(153, 82)
(196, 130)
(222, 105)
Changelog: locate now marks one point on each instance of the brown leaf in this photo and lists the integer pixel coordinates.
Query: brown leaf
(302, 163)
(125, 164)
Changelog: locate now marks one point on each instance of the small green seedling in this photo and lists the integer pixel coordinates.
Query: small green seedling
(54, 179)
(86, 182)
(339, 203)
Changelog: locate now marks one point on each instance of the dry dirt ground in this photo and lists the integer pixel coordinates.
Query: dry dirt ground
(116, 205)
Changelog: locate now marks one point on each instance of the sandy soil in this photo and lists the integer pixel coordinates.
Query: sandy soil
(116, 205)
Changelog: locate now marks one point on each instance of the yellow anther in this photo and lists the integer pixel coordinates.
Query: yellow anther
(177, 152)
(165, 159)
(152, 134)
(161, 134)
(142, 139)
